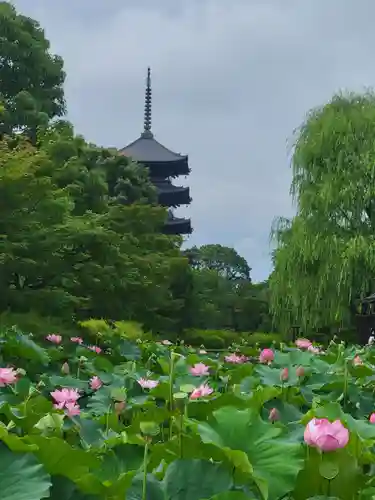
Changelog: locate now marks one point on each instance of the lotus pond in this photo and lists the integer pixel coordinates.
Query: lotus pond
(113, 419)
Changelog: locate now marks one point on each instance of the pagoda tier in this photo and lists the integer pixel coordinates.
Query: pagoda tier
(177, 225)
(163, 164)
(170, 195)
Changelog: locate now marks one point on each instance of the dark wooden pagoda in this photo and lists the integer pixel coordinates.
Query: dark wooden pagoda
(164, 165)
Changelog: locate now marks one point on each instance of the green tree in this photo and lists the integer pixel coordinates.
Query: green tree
(115, 264)
(223, 295)
(325, 256)
(224, 260)
(31, 79)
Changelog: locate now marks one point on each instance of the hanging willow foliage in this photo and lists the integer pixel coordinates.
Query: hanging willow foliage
(325, 257)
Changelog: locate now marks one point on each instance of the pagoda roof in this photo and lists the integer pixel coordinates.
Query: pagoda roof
(146, 149)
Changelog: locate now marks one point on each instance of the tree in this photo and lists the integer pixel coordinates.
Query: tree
(31, 79)
(115, 264)
(325, 256)
(223, 296)
(224, 260)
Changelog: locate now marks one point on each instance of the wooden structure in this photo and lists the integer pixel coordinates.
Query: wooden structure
(365, 319)
(164, 165)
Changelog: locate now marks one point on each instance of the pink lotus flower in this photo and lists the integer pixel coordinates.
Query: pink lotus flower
(325, 435)
(66, 399)
(274, 415)
(235, 359)
(314, 350)
(266, 356)
(95, 383)
(94, 348)
(372, 418)
(357, 361)
(201, 391)
(300, 371)
(64, 396)
(55, 339)
(8, 376)
(303, 343)
(76, 340)
(72, 409)
(147, 383)
(199, 370)
(284, 375)
(166, 342)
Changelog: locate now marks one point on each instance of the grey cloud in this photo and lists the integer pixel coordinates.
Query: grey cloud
(231, 81)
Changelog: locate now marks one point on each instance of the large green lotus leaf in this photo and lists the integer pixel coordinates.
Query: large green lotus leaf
(22, 477)
(276, 462)
(59, 458)
(270, 376)
(344, 485)
(64, 489)
(21, 346)
(154, 489)
(101, 402)
(122, 458)
(92, 433)
(68, 381)
(26, 416)
(195, 480)
(263, 394)
(231, 495)
(14, 442)
(363, 429)
(301, 358)
(129, 350)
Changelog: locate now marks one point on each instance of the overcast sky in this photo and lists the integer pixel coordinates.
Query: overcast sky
(231, 81)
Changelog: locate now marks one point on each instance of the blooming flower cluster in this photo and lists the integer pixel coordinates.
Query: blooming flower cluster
(67, 399)
(236, 359)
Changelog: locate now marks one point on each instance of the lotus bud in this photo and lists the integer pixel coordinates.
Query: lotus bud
(119, 407)
(274, 415)
(65, 368)
(284, 375)
(300, 371)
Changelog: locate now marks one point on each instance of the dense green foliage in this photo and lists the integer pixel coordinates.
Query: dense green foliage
(325, 257)
(223, 296)
(31, 79)
(80, 223)
(131, 421)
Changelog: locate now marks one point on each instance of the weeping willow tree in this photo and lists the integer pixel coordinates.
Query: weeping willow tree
(325, 256)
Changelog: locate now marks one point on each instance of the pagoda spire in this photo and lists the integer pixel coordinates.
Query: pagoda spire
(148, 106)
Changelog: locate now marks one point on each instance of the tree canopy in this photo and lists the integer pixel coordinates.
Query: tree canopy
(325, 256)
(223, 295)
(57, 261)
(31, 78)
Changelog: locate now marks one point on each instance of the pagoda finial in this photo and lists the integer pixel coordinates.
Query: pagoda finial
(148, 101)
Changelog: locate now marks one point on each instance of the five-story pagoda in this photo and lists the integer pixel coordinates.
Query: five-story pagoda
(163, 165)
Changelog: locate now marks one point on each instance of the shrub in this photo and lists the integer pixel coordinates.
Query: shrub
(264, 339)
(212, 339)
(129, 330)
(38, 325)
